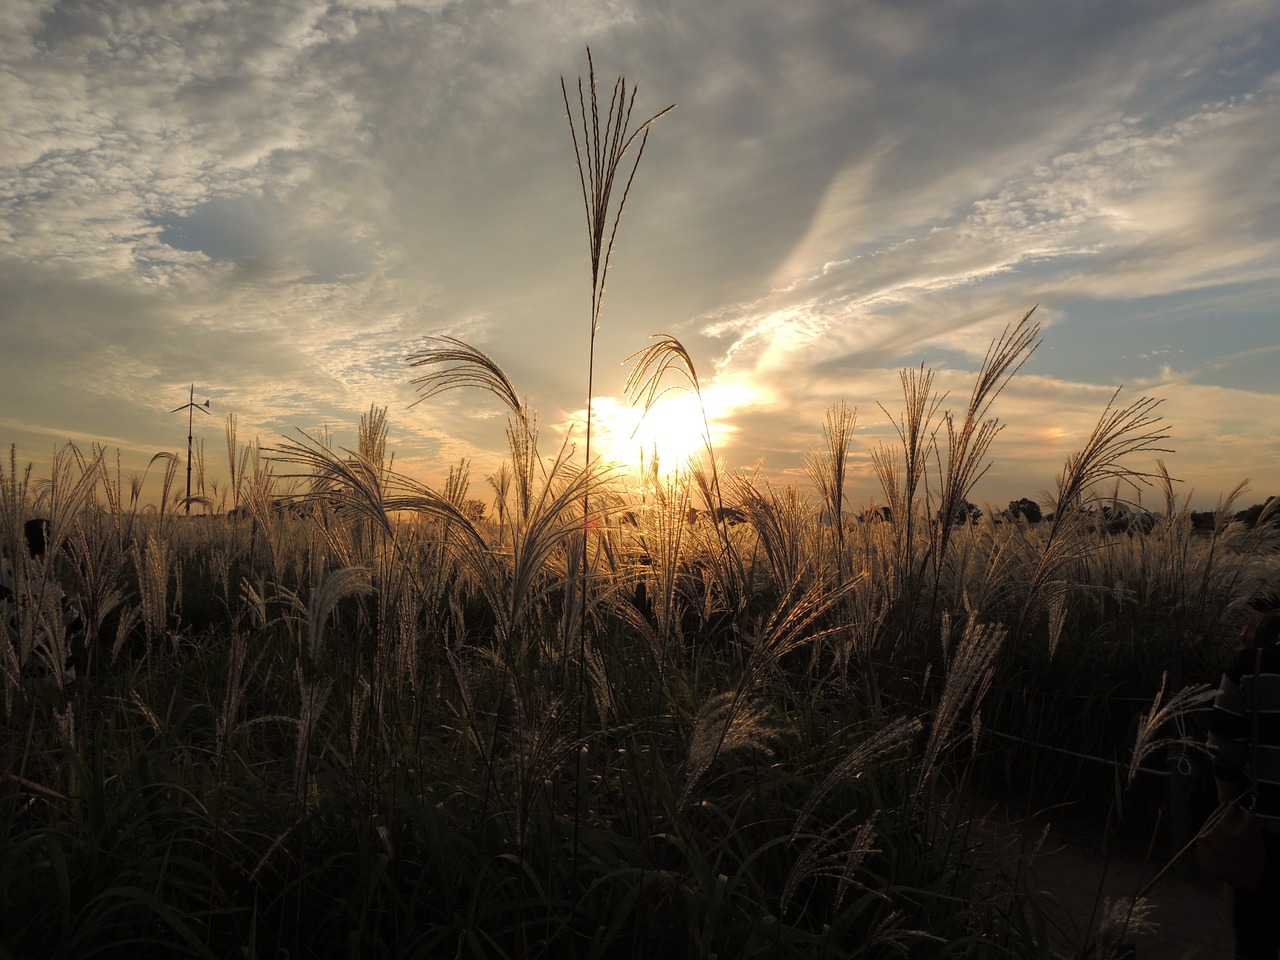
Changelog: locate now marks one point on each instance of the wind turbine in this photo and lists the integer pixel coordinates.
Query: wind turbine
(191, 407)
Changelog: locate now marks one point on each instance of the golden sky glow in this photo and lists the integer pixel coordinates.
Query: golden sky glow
(279, 201)
(672, 431)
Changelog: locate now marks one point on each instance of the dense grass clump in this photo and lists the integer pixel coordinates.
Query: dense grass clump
(352, 719)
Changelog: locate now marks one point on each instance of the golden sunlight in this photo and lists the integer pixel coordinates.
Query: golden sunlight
(672, 432)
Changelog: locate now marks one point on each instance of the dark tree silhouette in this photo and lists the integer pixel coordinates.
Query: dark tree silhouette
(1251, 515)
(1025, 509)
(966, 512)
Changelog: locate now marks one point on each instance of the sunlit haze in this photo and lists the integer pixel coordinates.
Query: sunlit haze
(279, 202)
(670, 436)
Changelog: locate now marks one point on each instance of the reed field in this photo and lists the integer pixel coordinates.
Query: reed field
(337, 712)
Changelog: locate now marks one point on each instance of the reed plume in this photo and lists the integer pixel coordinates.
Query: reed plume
(151, 563)
(600, 151)
(1148, 738)
(901, 474)
(66, 492)
(895, 738)
(1118, 435)
(828, 470)
(968, 443)
(339, 584)
(453, 364)
(731, 720)
(644, 383)
(969, 672)
(836, 854)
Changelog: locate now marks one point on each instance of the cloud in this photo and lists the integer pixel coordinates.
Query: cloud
(1133, 209)
(279, 201)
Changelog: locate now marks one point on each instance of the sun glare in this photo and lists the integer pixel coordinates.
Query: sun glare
(672, 432)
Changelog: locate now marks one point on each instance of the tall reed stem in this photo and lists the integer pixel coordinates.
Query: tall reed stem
(600, 155)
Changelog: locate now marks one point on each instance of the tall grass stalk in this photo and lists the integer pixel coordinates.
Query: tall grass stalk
(828, 472)
(644, 383)
(901, 476)
(1119, 435)
(600, 148)
(963, 459)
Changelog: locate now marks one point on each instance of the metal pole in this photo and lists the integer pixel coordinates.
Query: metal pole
(191, 407)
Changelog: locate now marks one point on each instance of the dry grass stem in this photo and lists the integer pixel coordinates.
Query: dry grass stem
(1148, 740)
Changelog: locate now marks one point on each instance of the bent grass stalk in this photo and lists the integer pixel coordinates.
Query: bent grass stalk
(644, 382)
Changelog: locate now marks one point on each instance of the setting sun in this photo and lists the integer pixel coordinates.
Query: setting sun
(672, 432)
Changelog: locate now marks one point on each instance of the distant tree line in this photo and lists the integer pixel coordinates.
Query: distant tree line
(1029, 511)
(1026, 510)
(1113, 518)
(1204, 520)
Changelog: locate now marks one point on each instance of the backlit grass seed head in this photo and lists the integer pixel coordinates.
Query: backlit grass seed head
(1148, 740)
(963, 458)
(727, 722)
(344, 582)
(151, 562)
(600, 150)
(828, 469)
(451, 363)
(1121, 920)
(893, 739)
(837, 855)
(145, 711)
(797, 621)
(969, 675)
(233, 691)
(1118, 435)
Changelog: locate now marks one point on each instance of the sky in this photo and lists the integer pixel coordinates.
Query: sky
(279, 202)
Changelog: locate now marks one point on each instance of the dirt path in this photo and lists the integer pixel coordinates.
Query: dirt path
(1187, 913)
